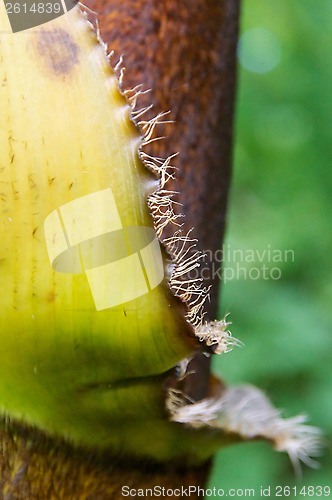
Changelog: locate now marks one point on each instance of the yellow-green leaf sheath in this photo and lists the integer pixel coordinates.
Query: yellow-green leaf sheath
(65, 134)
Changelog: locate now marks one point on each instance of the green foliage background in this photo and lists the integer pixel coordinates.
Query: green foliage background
(282, 197)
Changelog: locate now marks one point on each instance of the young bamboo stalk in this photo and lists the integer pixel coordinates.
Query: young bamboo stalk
(94, 352)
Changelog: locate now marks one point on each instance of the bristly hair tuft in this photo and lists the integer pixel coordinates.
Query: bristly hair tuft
(247, 412)
(216, 335)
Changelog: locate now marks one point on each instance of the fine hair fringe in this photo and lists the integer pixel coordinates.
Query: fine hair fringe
(166, 213)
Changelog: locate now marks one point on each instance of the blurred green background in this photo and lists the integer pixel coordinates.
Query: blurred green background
(281, 199)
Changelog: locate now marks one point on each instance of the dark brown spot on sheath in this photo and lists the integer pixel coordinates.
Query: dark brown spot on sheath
(58, 51)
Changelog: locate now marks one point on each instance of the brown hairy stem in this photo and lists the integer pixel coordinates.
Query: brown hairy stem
(36, 467)
(184, 51)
